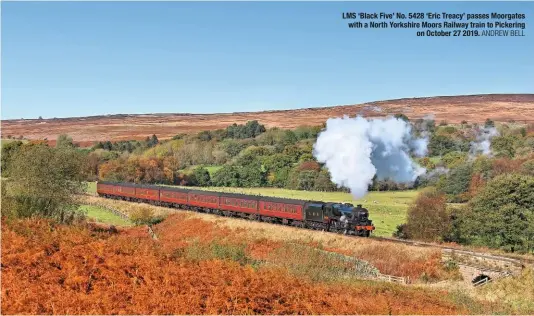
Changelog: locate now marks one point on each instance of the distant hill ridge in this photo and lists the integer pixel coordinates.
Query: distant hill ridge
(453, 109)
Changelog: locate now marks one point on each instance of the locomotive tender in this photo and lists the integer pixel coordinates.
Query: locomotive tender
(335, 217)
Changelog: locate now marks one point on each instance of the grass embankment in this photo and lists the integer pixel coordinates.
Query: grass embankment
(100, 214)
(516, 293)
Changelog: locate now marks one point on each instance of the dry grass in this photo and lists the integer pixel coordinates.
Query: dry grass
(125, 207)
(516, 293)
(49, 269)
(389, 258)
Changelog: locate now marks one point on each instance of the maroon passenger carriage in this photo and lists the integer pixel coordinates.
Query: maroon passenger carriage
(308, 214)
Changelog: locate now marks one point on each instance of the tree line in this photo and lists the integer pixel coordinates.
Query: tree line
(492, 195)
(482, 200)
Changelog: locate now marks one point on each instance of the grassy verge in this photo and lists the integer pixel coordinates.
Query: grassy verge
(102, 215)
(91, 187)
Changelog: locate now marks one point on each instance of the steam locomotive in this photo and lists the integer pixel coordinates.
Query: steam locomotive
(337, 217)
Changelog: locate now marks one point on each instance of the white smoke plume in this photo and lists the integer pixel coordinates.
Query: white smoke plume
(356, 149)
(482, 144)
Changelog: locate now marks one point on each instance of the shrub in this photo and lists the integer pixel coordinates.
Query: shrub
(489, 123)
(454, 158)
(427, 217)
(201, 177)
(142, 216)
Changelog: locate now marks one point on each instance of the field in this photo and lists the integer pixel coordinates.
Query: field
(453, 109)
(102, 215)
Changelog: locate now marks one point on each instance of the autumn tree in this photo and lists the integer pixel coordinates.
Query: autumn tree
(427, 217)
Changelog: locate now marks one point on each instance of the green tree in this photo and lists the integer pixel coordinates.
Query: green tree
(277, 161)
(456, 183)
(250, 130)
(152, 141)
(293, 152)
(204, 136)
(306, 179)
(289, 138)
(201, 177)
(252, 175)
(281, 177)
(503, 146)
(502, 214)
(227, 176)
(484, 166)
(307, 132)
(454, 159)
(489, 123)
(44, 181)
(323, 182)
(8, 150)
(64, 140)
(440, 145)
(232, 147)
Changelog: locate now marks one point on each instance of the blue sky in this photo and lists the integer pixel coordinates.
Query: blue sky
(62, 59)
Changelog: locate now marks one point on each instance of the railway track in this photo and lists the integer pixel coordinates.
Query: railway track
(511, 260)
